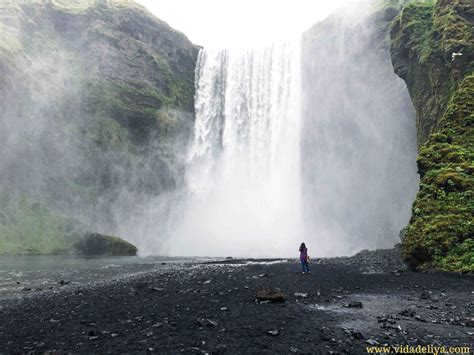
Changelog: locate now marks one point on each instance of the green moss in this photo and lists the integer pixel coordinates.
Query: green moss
(441, 230)
(460, 257)
(117, 246)
(424, 37)
(31, 228)
(418, 19)
(98, 244)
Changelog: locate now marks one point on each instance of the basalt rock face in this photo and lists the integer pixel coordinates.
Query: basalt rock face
(96, 108)
(433, 50)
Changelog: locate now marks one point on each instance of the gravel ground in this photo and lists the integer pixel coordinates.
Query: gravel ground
(345, 305)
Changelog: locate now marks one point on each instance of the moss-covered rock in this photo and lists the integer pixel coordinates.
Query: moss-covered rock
(98, 244)
(432, 50)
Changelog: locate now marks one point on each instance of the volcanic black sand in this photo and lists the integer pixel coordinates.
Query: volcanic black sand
(345, 305)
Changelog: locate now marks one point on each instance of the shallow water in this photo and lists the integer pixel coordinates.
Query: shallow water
(26, 275)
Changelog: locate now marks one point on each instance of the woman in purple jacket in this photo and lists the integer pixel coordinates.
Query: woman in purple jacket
(304, 258)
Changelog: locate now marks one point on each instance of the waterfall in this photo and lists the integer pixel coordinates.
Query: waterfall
(308, 141)
(243, 173)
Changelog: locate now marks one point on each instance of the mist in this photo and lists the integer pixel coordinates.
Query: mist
(305, 140)
(359, 137)
(318, 147)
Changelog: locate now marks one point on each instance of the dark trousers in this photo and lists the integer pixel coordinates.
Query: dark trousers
(305, 265)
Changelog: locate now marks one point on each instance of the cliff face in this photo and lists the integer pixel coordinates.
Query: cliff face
(358, 136)
(433, 51)
(96, 108)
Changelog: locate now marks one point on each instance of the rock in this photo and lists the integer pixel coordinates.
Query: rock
(93, 335)
(372, 341)
(223, 308)
(204, 322)
(407, 313)
(424, 295)
(401, 234)
(99, 244)
(269, 294)
(26, 289)
(354, 304)
(469, 322)
(354, 334)
(418, 318)
(294, 349)
(157, 289)
(273, 332)
(299, 294)
(206, 282)
(62, 282)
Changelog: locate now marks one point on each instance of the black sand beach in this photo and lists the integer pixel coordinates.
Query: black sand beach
(344, 306)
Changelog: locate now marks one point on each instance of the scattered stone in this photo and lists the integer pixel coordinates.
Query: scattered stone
(93, 335)
(294, 350)
(407, 313)
(299, 294)
(223, 308)
(204, 322)
(26, 289)
(355, 304)
(157, 325)
(206, 282)
(372, 341)
(62, 282)
(354, 334)
(269, 294)
(273, 332)
(424, 295)
(418, 318)
(469, 322)
(157, 289)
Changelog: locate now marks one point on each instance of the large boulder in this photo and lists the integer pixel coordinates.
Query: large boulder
(99, 244)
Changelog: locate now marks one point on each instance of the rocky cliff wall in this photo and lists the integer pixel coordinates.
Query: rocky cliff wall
(96, 108)
(433, 50)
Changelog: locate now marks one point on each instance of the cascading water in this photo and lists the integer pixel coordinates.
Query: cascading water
(319, 149)
(243, 169)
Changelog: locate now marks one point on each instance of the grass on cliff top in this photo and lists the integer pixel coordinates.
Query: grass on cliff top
(418, 19)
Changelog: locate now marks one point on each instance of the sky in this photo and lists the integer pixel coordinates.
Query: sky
(241, 23)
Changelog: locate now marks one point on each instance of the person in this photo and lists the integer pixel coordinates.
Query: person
(304, 258)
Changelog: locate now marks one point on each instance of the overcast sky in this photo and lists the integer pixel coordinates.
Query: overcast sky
(241, 23)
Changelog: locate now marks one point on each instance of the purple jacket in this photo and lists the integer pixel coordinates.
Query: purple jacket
(304, 254)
